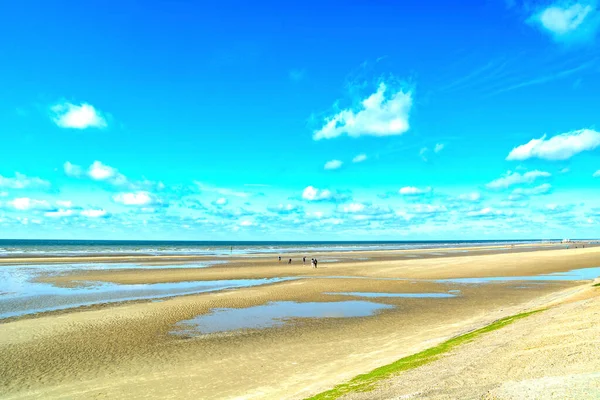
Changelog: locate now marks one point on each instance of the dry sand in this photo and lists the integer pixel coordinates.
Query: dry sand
(126, 351)
(551, 355)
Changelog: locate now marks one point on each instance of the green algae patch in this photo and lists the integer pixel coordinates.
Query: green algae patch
(367, 382)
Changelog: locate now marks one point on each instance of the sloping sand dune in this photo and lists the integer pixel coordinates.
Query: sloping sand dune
(550, 355)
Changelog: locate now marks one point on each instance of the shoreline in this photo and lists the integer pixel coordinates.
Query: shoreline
(168, 258)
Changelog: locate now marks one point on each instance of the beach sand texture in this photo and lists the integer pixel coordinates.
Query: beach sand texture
(129, 350)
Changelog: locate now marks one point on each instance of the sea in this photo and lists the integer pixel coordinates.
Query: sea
(21, 247)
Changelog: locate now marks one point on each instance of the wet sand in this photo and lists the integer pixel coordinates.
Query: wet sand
(130, 351)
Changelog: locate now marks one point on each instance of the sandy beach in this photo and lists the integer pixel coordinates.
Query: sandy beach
(143, 349)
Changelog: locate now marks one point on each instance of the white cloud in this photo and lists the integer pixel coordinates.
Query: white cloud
(438, 147)
(519, 193)
(21, 181)
(559, 147)
(423, 153)
(564, 22)
(333, 164)
(64, 203)
(596, 174)
(94, 213)
(359, 158)
(220, 191)
(515, 178)
(564, 170)
(25, 203)
(354, 208)
(72, 170)
(285, 209)
(101, 172)
(470, 197)
(377, 116)
(59, 213)
(221, 201)
(413, 191)
(140, 198)
(311, 193)
(69, 115)
(246, 223)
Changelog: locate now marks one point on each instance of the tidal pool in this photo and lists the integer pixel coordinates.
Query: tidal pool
(21, 293)
(405, 295)
(273, 314)
(580, 274)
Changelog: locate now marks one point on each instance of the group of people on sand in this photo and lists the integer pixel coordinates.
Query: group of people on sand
(313, 261)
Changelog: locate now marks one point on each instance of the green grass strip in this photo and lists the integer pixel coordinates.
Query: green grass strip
(596, 285)
(367, 382)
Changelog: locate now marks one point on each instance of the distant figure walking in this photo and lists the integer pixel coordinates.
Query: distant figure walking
(312, 262)
(303, 260)
(290, 261)
(279, 258)
(316, 262)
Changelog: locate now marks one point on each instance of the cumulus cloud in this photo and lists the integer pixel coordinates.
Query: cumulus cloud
(515, 178)
(21, 181)
(311, 193)
(470, 197)
(59, 213)
(596, 174)
(101, 172)
(333, 164)
(413, 191)
(221, 191)
(359, 158)
(94, 213)
(488, 213)
(72, 170)
(354, 208)
(25, 203)
(559, 147)
(64, 203)
(438, 147)
(139, 199)
(220, 201)
(378, 115)
(577, 20)
(82, 116)
(284, 209)
(520, 193)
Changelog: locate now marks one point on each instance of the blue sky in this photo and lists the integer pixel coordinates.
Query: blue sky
(359, 120)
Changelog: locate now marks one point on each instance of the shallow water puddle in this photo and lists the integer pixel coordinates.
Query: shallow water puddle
(20, 294)
(580, 274)
(404, 295)
(273, 314)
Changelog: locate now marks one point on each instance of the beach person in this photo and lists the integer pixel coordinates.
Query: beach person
(290, 261)
(279, 258)
(316, 263)
(312, 262)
